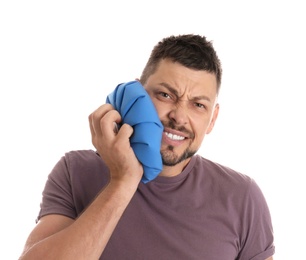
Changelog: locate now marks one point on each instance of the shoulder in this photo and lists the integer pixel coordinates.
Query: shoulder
(83, 159)
(79, 168)
(221, 173)
(228, 182)
(81, 156)
(242, 193)
(85, 164)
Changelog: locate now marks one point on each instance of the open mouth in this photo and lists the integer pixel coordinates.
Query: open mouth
(174, 137)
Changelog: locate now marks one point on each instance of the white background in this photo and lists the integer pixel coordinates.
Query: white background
(59, 60)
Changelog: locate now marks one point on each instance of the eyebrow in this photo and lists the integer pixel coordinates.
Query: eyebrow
(175, 92)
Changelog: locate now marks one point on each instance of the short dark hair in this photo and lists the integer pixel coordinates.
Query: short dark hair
(190, 50)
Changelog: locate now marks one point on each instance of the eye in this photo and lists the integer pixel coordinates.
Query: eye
(200, 106)
(164, 95)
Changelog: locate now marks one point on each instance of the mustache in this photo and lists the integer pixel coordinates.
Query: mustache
(171, 125)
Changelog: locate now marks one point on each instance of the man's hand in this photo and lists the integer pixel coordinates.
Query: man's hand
(114, 146)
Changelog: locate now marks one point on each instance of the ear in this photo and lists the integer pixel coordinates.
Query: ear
(213, 119)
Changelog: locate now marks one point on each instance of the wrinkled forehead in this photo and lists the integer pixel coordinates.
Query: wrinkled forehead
(182, 80)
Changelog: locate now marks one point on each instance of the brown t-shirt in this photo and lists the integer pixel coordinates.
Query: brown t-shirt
(206, 212)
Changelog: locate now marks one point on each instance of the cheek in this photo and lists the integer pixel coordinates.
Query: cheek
(161, 110)
(199, 134)
(200, 130)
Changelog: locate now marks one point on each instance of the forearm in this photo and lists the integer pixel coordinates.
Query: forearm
(87, 237)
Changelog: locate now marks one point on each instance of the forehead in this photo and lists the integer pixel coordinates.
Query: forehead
(183, 80)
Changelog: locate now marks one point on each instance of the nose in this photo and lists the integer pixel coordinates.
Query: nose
(179, 113)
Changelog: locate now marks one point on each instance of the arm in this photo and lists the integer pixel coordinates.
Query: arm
(59, 237)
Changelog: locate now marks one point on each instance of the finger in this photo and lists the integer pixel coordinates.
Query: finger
(108, 122)
(95, 117)
(125, 132)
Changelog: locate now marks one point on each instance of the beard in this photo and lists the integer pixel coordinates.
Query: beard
(169, 158)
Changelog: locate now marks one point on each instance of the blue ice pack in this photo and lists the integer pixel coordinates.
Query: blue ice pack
(136, 108)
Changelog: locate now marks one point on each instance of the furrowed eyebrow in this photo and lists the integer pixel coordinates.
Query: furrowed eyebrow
(201, 98)
(171, 89)
(175, 92)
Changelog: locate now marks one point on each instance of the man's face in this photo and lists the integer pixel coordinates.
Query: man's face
(186, 102)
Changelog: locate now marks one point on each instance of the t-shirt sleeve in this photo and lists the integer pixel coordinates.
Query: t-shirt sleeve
(258, 239)
(57, 194)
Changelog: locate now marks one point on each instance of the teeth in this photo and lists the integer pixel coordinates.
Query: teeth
(174, 137)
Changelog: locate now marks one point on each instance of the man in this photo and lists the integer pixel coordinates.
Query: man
(96, 207)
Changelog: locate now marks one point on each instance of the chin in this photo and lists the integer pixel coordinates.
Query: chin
(169, 157)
